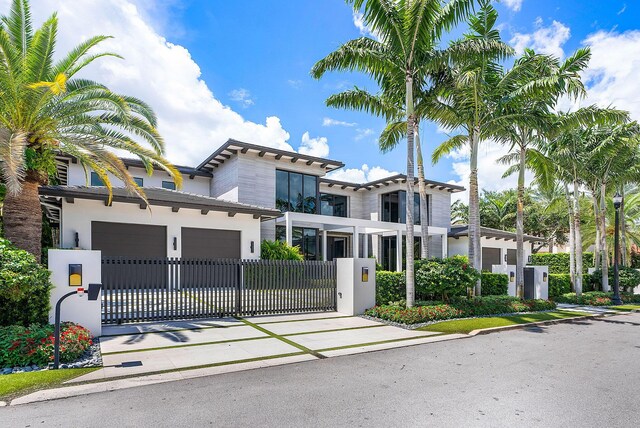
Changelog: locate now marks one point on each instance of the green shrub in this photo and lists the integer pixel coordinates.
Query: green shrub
(629, 278)
(279, 250)
(459, 308)
(559, 284)
(390, 287)
(559, 262)
(495, 284)
(445, 278)
(22, 346)
(24, 287)
(591, 298)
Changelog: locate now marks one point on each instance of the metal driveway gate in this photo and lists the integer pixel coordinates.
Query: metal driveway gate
(136, 290)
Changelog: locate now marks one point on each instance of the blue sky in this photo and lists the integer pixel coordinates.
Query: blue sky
(220, 69)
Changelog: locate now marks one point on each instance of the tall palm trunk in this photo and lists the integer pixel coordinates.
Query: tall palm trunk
(22, 217)
(604, 254)
(520, 226)
(422, 189)
(596, 217)
(410, 192)
(578, 237)
(475, 256)
(572, 239)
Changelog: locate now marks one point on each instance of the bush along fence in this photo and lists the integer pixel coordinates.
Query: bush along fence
(559, 262)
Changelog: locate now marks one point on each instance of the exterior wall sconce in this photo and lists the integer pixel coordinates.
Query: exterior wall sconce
(529, 259)
(252, 247)
(75, 275)
(505, 257)
(76, 239)
(175, 243)
(365, 274)
(544, 277)
(512, 276)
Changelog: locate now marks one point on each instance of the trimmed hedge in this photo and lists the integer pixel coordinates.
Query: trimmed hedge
(629, 278)
(495, 284)
(596, 298)
(459, 308)
(24, 287)
(559, 284)
(390, 287)
(559, 262)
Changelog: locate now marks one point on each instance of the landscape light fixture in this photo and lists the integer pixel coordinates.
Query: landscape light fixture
(617, 203)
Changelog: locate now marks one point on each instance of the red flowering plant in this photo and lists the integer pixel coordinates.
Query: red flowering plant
(24, 346)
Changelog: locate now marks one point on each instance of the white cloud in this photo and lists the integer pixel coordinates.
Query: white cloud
(242, 96)
(489, 171)
(363, 133)
(191, 119)
(546, 40)
(514, 5)
(621, 11)
(314, 146)
(295, 84)
(358, 21)
(327, 121)
(365, 174)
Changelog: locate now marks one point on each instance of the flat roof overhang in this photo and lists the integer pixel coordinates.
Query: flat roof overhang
(160, 197)
(398, 178)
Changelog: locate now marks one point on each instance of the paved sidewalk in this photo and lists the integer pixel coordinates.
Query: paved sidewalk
(594, 310)
(156, 348)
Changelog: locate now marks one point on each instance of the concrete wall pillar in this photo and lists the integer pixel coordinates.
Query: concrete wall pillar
(356, 285)
(78, 309)
(355, 243)
(289, 229)
(324, 245)
(365, 246)
(399, 251)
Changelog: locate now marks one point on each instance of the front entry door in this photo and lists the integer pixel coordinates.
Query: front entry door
(336, 247)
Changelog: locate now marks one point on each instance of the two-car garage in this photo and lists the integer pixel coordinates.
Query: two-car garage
(151, 241)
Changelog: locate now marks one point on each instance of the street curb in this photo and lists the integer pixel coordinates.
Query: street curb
(537, 323)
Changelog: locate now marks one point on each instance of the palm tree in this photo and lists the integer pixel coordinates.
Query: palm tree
(535, 83)
(468, 100)
(44, 110)
(408, 30)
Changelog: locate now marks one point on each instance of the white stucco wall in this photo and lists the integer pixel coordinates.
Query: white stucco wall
(460, 246)
(77, 217)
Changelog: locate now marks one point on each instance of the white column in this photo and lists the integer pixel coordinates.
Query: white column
(399, 250)
(289, 228)
(324, 245)
(365, 246)
(444, 245)
(355, 242)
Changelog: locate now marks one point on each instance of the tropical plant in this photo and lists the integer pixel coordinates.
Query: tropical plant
(279, 250)
(407, 31)
(45, 109)
(444, 278)
(468, 100)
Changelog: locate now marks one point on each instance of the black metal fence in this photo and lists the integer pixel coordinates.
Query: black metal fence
(136, 290)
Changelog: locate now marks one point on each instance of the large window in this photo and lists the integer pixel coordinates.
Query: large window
(303, 237)
(394, 207)
(333, 205)
(296, 192)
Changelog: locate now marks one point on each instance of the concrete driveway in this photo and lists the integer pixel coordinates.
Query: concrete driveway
(242, 343)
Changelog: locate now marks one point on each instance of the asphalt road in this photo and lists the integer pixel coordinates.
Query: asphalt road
(572, 375)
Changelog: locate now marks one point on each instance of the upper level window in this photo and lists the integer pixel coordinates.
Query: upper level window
(139, 181)
(169, 185)
(333, 205)
(296, 192)
(394, 207)
(95, 180)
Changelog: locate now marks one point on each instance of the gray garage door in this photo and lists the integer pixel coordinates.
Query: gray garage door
(210, 243)
(129, 240)
(490, 256)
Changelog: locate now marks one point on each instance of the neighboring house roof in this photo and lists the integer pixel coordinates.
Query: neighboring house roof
(160, 197)
(458, 230)
(398, 178)
(233, 147)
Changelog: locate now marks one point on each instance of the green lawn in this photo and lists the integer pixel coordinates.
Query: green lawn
(468, 325)
(629, 307)
(22, 383)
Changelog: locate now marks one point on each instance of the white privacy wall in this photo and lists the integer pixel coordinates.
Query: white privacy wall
(460, 246)
(77, 217)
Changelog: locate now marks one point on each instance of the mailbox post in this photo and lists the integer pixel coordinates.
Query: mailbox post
(93, 292)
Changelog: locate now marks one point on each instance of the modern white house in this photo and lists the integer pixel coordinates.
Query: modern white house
(244, 193)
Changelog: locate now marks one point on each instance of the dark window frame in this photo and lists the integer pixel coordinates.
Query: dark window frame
(95, 180)
(333, 196)
(139, 181)
(289, 206)
(169, 185)
(401, 210)
(299, 234)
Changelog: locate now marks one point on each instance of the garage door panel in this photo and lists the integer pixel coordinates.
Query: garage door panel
(129, 240)
(210, 243)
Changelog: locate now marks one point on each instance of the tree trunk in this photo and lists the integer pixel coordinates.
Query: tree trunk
(475, 256)
(596, 217)
(410, 178)
(422, 189)
(604, 254)
(520, 226)
(572, 238)
(22, 216)
(578, 237)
